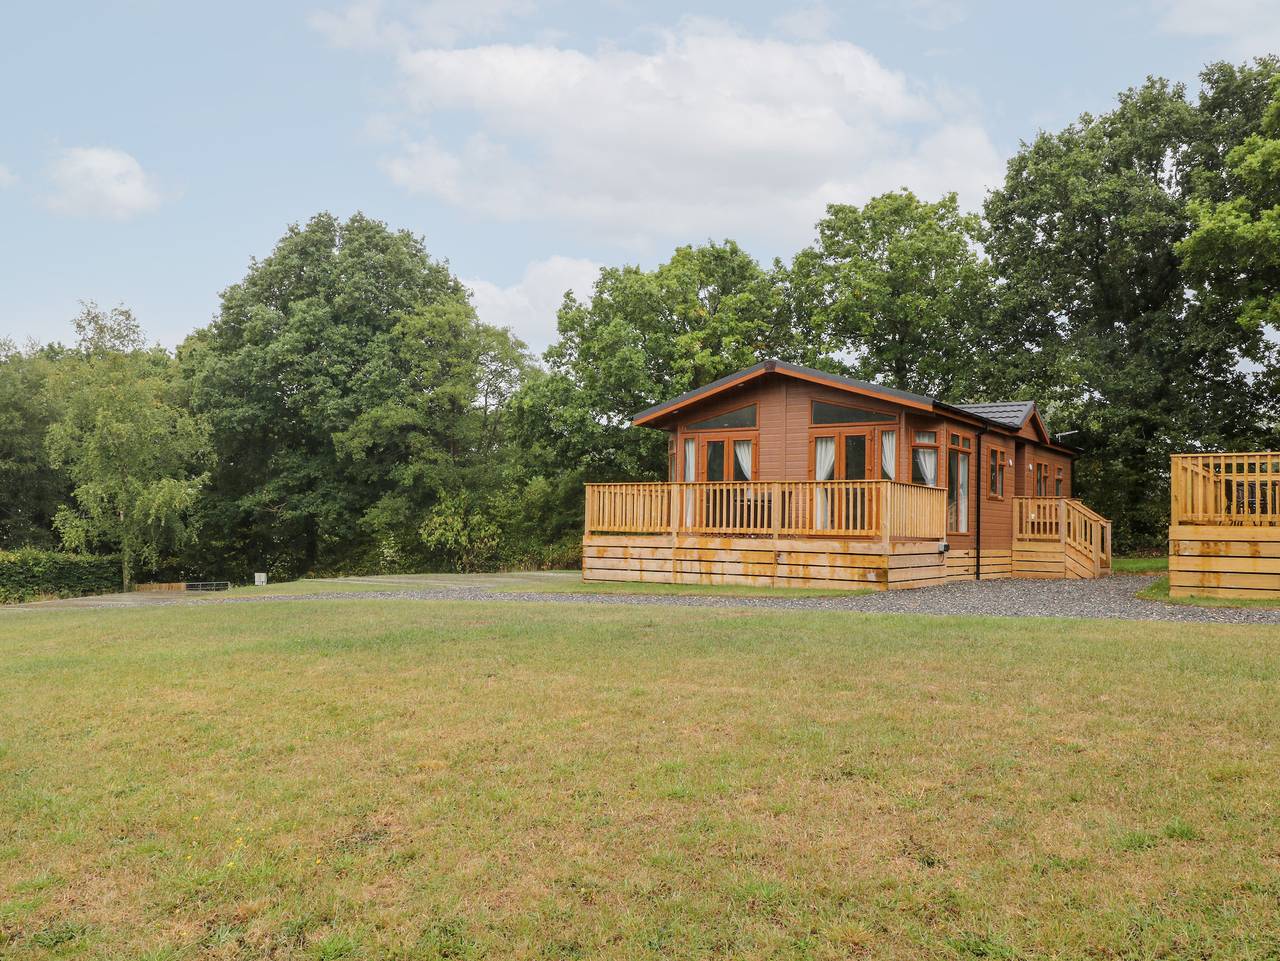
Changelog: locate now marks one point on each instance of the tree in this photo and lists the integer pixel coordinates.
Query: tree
(1233, 254)
(899, 286)
(132, 454)
(33, 489)
(299, 352)
(1084, 235)
(431, 423)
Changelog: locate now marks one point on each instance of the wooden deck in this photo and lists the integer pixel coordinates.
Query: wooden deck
(1224, 525)
(832, 534)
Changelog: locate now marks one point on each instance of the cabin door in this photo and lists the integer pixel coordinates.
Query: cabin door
(843, 455)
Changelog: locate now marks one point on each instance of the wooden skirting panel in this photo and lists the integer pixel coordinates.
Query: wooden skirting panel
(1236, 561)
(962, 564)
(762, 561)
(1040, 559)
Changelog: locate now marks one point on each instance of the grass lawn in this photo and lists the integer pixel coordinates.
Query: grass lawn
(418, 780)
(543, 582)
(1140, 565)
(1159, 591)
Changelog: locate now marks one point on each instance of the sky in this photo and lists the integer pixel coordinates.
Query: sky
(149, 150)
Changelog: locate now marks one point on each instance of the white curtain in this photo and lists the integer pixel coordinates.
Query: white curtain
(690, 472)
(927, 464)
(824, 468)
(742, 454)
(888, 454)
(962, 493)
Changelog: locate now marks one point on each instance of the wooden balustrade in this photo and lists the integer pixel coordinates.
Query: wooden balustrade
(1066, 521)
(1037, 518)
(1225, 489)
(874, 509)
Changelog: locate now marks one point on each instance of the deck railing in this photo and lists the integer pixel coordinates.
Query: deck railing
(1066, 521)
(1225, 489)
(872, 509)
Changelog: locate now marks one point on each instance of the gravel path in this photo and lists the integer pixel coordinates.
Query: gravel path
(1110, 598)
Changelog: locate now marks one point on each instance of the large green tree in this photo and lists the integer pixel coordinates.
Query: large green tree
(1084, 234)
(33, 490)
(133, 454)
(335, 377)
(899, 287)
(1232, 257)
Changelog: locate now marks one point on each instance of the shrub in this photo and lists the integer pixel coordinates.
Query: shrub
(28, 573)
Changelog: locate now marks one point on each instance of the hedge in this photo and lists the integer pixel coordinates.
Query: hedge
(27, 573)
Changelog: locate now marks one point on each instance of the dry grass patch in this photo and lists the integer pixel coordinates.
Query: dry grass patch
(461, 780)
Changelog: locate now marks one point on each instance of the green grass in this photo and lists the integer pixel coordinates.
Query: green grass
(423, 780)
(1159, 591)
(543, 582)
(1140, 565)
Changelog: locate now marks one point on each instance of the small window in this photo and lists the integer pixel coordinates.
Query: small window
(1057, 484)
(926, 437)
(742, 417)
(995, 474)
(824, 413)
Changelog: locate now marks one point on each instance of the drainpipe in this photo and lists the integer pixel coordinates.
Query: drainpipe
(977, 538)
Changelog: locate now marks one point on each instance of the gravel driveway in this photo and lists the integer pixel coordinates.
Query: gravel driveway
(1107, 598)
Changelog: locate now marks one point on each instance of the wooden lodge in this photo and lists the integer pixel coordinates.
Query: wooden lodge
(781, 475)
(1224, 525)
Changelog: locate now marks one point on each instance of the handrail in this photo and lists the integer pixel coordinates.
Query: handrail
(869, 509)
(1225, 489)
(1067, 521)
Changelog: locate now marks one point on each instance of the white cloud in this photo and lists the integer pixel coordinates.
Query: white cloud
(712, 132)
(371, 24)
(1248, 27)
(101, 182)
(529, 306)
(7, 177)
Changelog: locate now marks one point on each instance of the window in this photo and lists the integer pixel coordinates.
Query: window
(888, 454)
(843, 455)
(1057, 484)
(924, 458)
(742, 417)
(824, 413)
(995, 473)
(958, 484)
(1042, 480)
(727, 457)
(690, 460)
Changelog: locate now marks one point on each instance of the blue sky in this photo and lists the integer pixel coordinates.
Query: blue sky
(149, 149)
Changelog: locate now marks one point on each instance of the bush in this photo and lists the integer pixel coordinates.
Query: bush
(28, 573)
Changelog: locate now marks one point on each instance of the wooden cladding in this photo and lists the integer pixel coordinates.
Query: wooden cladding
(1225, 489)
(873, 509)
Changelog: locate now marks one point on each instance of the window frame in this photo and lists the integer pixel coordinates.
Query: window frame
(838, 435)
(925, 445)
(1059, 481)
(754, 425)
(996, 451)
(703, 437)
(883, 417)
(956, 442)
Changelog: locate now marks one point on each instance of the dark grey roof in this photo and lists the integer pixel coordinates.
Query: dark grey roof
(1010, 413)
(783, 367)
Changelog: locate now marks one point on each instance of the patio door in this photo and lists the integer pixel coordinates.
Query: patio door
(841, 455)
(727, 457)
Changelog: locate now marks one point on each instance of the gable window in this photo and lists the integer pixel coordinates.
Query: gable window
(995, 473)
(825, 413)
(924, 458)
(730, 420)
(958, 483)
